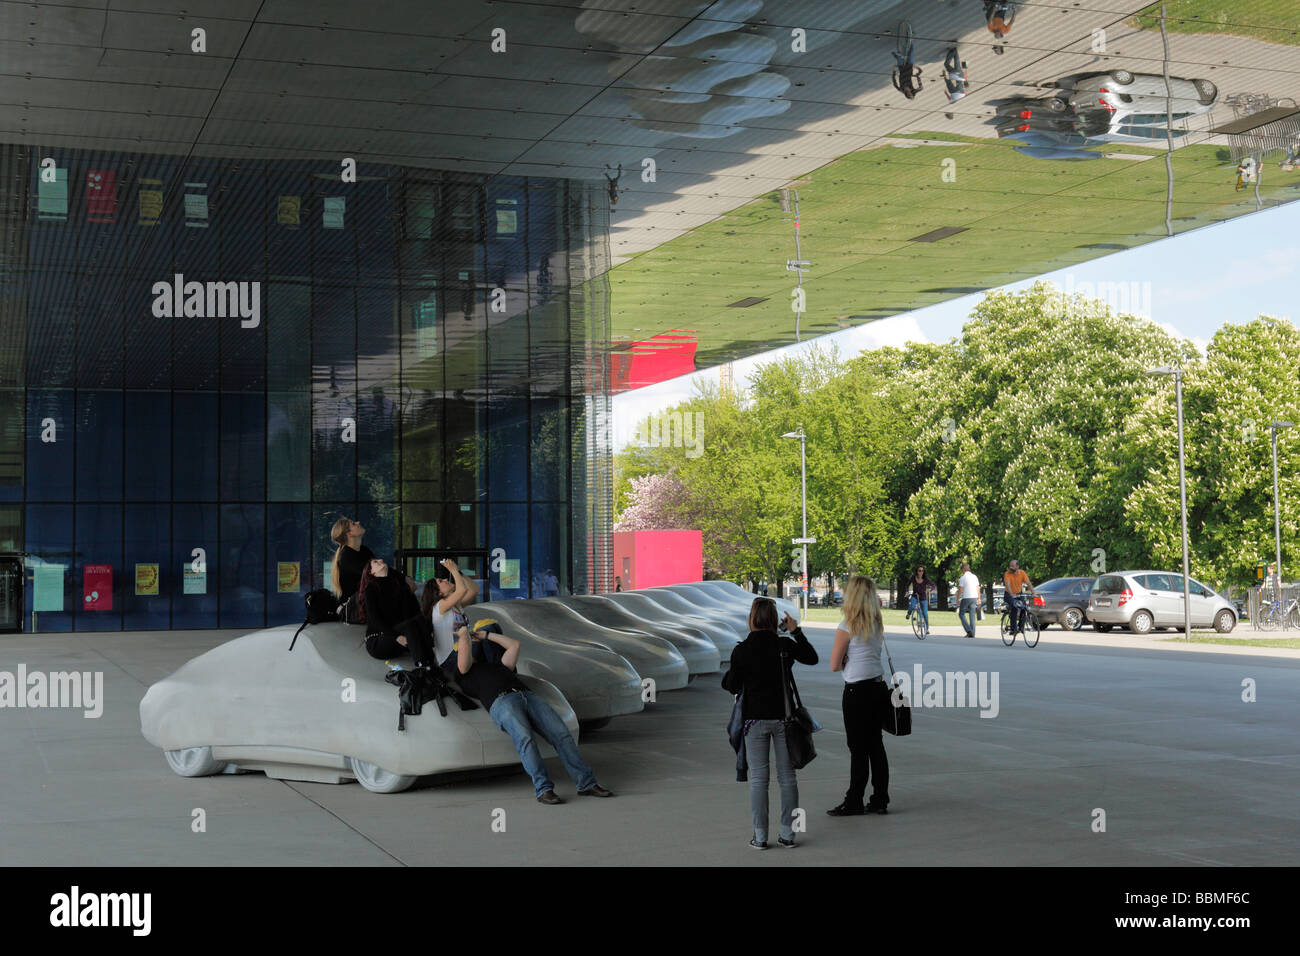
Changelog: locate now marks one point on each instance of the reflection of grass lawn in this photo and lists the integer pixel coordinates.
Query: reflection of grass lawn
(1290, 642)
(1270, 20)
(1023, 217)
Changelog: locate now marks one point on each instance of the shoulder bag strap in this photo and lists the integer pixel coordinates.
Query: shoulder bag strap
(885, 647)
(785, 686)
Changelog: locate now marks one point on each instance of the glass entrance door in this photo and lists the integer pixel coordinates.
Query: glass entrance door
(11, 594)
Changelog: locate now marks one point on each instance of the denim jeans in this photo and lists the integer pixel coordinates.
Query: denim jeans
(966, 614)
(922, 610)
(519, 714)
(1015, 613)
(756, 753)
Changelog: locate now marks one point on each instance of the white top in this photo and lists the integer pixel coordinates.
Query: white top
(443, 631)
(864, 657)
(969, 585)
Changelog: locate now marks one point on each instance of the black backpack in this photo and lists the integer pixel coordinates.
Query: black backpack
(322, 606)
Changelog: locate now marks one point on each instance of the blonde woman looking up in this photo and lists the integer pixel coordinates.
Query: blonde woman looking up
(351, 558)
(856, 653)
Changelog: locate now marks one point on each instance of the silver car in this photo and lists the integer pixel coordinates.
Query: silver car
(1122, 94)
(1142, 600)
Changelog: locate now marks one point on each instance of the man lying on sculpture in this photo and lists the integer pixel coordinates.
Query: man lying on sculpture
(475, 665)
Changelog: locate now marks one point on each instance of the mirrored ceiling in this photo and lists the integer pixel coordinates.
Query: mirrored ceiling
(930, 147)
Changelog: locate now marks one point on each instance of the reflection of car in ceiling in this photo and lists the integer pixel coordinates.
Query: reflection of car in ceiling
(1090, 109)
(1121, 93)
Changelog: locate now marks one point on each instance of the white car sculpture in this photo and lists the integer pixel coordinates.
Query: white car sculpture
(321, 712)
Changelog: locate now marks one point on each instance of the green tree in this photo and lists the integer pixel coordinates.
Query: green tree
(1247, 380)
(1018, 434)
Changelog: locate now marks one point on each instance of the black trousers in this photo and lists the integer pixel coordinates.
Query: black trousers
(419, 641)
(863, 704)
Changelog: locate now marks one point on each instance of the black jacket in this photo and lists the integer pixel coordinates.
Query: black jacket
(389, 602)
(754, 671)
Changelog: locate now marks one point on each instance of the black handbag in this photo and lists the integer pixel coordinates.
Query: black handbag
(897, 718)
(799, 724)
(736, 725)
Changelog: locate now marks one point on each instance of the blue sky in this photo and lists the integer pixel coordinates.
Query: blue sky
(1198, 281)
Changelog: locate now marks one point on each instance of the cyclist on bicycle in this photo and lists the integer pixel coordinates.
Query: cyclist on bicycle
(1016, 582)
(920, 585)
(905, 73)
(999, 15)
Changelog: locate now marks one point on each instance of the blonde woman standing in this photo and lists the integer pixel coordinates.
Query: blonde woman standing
(856, 653)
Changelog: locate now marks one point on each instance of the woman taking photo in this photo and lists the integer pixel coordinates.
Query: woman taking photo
(856, 652)
(759, 666)
(392, 616)
(444, 595)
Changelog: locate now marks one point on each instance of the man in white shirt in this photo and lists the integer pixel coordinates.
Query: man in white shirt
(968, 590)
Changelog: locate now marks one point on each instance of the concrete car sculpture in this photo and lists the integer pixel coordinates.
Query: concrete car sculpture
(649, 656)
(321, 712)
(733, 591)
(701, 653)
(642, 605)
(710, 598)
(599, 683)
(677, 602)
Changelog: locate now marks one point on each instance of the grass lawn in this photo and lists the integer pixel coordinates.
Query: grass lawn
(1274, 21)
(893, 618)
(1289, 642)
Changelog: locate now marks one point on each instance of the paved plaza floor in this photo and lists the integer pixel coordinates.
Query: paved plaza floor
(1155, 736)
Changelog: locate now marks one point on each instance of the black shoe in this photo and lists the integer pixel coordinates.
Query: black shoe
(788, 844)
(880, 808)
(595, 790)
(844, 810)
(549, 798)
(756, 845)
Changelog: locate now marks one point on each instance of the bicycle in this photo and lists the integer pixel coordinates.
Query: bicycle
(1029, 626)
(914, 615)
(1276, 614)
(905, 69)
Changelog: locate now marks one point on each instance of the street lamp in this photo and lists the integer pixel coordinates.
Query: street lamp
(1277, 511)
(805, 540)
(1182, 495)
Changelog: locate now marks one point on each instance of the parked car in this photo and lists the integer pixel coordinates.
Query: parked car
(1142, 600)
(1063, 601)
(1122, 93)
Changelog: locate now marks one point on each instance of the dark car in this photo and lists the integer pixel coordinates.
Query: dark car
(1064, 602)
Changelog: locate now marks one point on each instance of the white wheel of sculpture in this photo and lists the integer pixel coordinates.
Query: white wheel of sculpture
(194, 762)
(378, 780)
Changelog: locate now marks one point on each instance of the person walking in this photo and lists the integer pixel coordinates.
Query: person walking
(968, 595)
(760, 664)
(856, 653)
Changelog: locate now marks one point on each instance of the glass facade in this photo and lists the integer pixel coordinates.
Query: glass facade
(204, 362)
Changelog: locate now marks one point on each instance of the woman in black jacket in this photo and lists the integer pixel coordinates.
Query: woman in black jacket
(759, 664)
(392, 616)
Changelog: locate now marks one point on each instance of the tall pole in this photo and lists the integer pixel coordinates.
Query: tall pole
(1182, 495)
(1277, 510)
(803, 483)
(798, 316)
